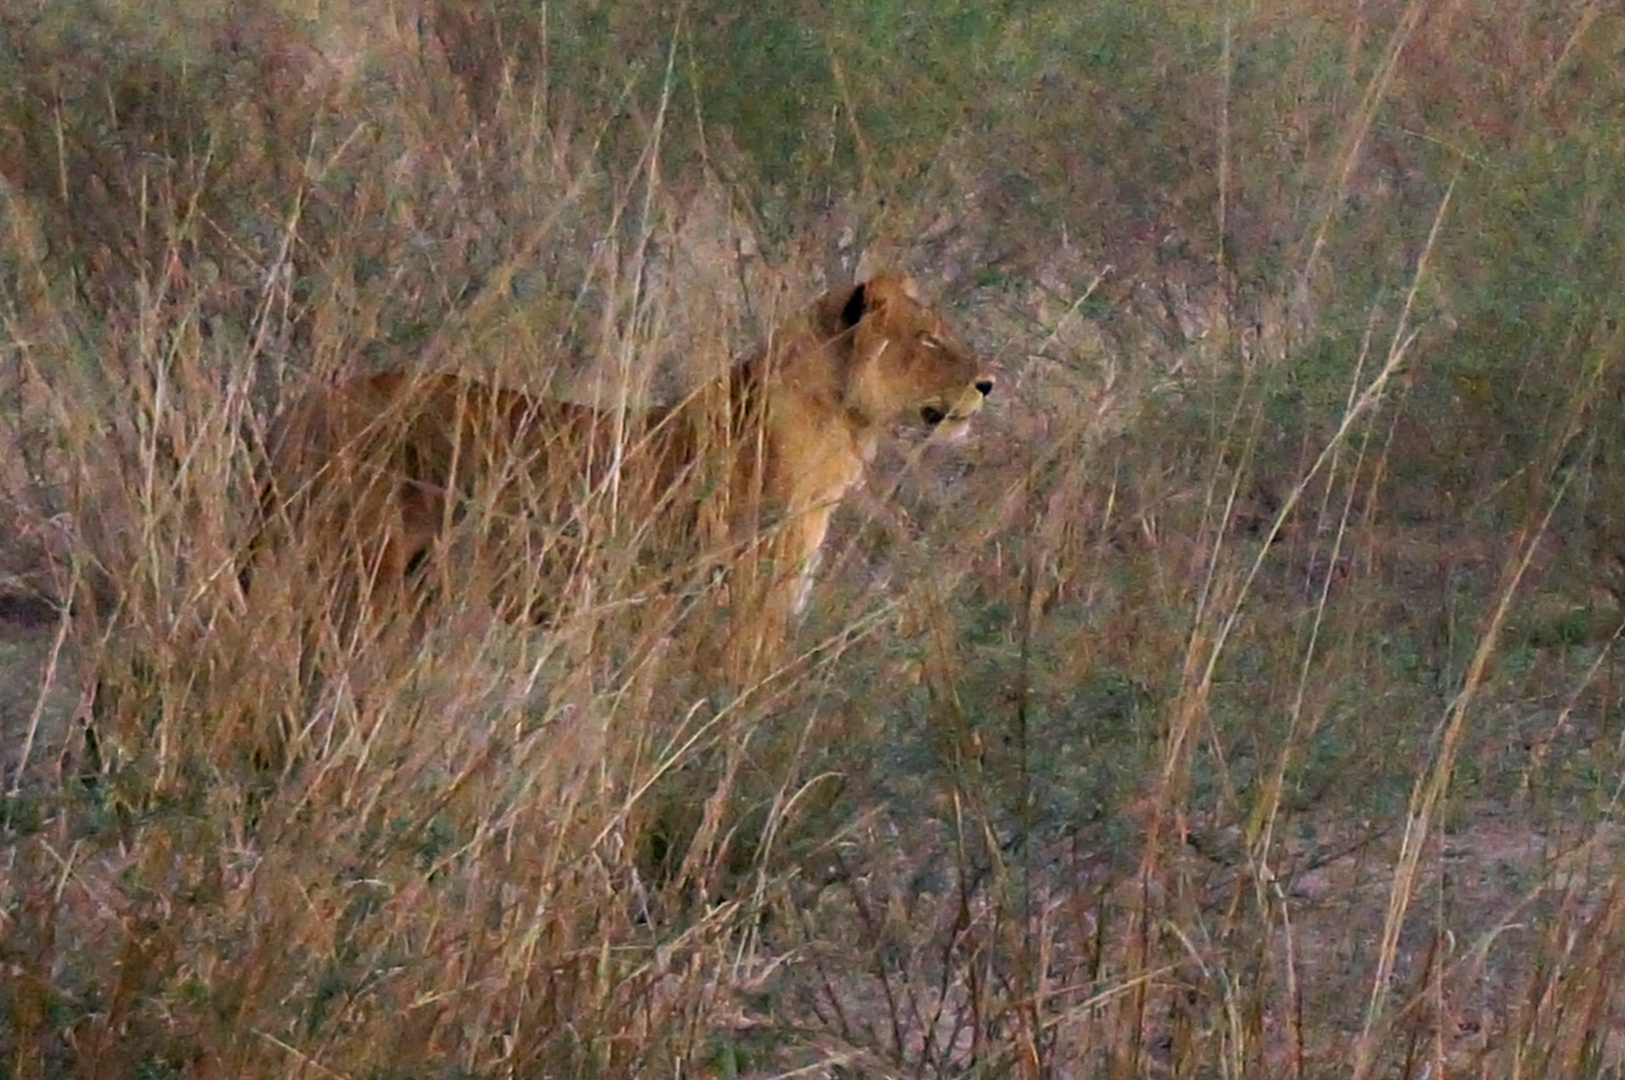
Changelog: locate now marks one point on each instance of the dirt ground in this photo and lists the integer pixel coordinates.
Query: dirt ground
(38, 690)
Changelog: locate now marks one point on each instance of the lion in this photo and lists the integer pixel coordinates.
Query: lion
(386, 479)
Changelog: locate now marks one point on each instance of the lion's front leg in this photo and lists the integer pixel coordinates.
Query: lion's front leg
(778, 586)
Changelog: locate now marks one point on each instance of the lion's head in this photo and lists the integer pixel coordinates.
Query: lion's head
(905, 368)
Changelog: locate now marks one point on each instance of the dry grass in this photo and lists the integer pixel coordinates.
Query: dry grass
(1240, 701)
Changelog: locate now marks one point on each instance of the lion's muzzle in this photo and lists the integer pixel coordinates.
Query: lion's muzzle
(968, 405)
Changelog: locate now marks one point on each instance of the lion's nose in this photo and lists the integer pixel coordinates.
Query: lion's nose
(984, 386)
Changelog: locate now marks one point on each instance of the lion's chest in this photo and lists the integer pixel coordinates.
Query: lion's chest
(813, 466)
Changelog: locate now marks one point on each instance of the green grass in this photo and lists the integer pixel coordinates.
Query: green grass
(1172, 724)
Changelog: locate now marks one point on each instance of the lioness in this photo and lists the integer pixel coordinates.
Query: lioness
(387, 477)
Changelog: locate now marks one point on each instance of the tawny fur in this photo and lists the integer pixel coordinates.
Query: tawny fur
(377, 475)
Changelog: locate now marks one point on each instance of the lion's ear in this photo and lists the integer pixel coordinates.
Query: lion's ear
(874, 296)
(856, 306)
(880, 292)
